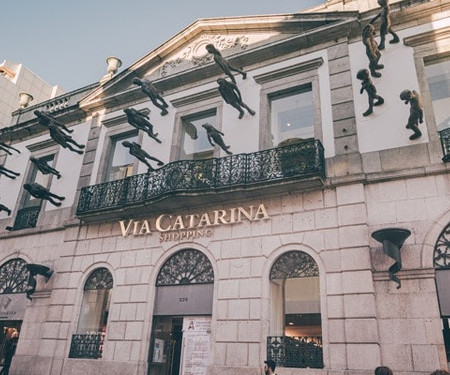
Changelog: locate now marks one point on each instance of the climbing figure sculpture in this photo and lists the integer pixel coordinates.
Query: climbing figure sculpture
(224, 64)
(140, 154)
(45, 119)
(44, 167)
(385, 26)
(141, 122)
(8, 173)
(36, 269)
(231, 94)
(153, 94)
(40, 192)
(415, 113)
(369, 87)
(372, 50)
(6, 148)
(215, 135)
(6, 209)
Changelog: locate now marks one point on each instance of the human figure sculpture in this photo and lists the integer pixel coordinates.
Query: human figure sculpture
(63, 139)
(385, 26)
(224, 64)
(8, 173)
(6, 148)
(372, 50)
(153, 94)
(415, 112)
(367, 84)
(4, 208)
(140, 154)
(215, 135)
(190, 129)
(141, 122)
(44, 168)
(40, 192)
(45, 119)
(34, 270)
(231, 94)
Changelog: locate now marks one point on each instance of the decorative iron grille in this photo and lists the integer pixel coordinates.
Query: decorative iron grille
(283, 163)
(186, 267)
(101, 278)
(294, 264)
(27, 217)
(441, 256)
(14, 277)
(297, 352)
(87, 346)
(445, 142)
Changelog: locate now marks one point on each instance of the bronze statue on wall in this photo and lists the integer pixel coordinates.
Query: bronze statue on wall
(215, 135)
(45, 119)
(385, 26)
(372, 50)
(231, 94)
(141, 122)
(6, 148)
(369, 87)
(140, 154)
(415, 112)
(44, 168)
(6, 209)
(40, 192)
(224, 64)
(8, 173)
(153, 94)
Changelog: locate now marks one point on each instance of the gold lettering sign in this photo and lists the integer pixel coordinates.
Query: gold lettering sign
(180, 227)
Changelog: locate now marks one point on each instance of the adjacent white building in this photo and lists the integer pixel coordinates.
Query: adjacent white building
(321, 242)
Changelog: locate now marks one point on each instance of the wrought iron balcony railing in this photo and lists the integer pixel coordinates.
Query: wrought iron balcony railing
(445, 142)
(26, 218)
(297, 352)
(87, 346)
(242, 171)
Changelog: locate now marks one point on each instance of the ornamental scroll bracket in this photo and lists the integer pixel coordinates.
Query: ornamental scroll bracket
(392, 240)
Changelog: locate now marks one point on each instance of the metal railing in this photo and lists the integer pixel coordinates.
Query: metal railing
(26, 218)
(301, 160)
(296, 352)
(445, 142)
(87, 345)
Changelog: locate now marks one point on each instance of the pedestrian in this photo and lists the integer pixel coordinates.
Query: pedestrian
(269, 367)
(10, 350)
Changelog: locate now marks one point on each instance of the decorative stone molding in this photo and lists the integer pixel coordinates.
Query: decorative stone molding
(428, 37)
(196, 55)
(195, 98)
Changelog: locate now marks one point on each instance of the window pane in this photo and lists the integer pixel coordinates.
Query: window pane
(438, 77)
(198, 148)
(292, 116)
(121, 162)
(94, 311)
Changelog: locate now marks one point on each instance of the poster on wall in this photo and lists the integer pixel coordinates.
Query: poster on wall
(158, 351)
(196, 344)
(12, 306)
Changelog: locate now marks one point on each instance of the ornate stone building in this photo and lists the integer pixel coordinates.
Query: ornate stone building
(316, 235)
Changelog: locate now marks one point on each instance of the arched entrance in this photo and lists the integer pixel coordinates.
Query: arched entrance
(13, 302)
(182, 315)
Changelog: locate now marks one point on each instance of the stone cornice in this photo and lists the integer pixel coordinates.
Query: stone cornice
(427, 37)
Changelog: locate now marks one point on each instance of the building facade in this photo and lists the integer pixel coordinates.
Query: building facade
(321, 242)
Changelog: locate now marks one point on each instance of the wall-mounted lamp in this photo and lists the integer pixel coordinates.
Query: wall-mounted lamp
(392, 240)
(36, 269)
(25, 99)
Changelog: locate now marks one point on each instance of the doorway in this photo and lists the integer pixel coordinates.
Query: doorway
(7, 329)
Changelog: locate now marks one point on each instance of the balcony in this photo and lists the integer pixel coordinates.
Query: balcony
(274, 171)
(26, 218)
(296, 352)
(87, 346)
(445, 142)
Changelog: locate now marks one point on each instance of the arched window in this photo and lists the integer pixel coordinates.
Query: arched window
(14, 277)
(88, 341)
(295, 320)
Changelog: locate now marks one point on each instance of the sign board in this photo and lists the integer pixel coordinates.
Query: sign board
(196, 345)
(12, 306)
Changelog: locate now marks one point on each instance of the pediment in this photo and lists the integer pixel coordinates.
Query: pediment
(184, 59)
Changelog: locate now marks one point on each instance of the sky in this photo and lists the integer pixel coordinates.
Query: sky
(66, 42)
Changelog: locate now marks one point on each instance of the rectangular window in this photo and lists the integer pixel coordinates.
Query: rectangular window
(194, 141)
(42, 179)
(292, 114)
(438, 78)
(120, 160)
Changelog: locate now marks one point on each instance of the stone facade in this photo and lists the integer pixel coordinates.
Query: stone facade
(373, 180)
